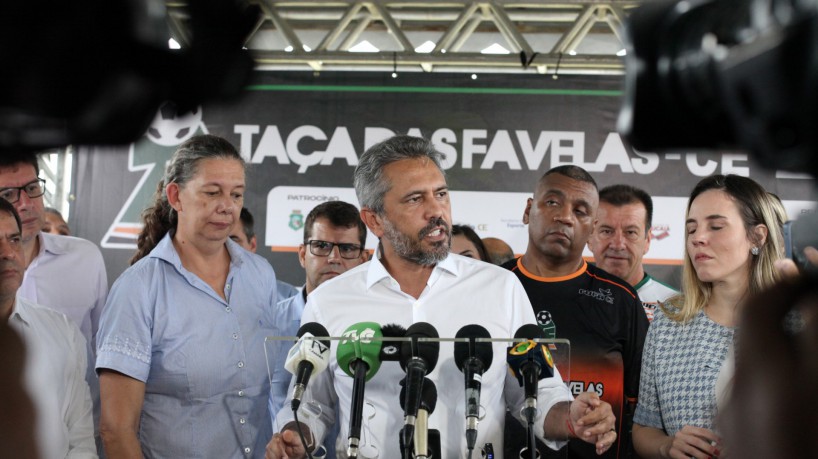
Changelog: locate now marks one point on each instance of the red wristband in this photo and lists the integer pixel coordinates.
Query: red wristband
(570, 427)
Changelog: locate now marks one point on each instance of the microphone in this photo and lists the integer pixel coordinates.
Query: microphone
(358, 357)
(307, 356)
(530, 361)
(416, 359)
(428, 400)
(390, 351)
(472, 358)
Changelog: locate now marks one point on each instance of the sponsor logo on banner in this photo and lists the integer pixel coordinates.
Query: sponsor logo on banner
(149, 155)
(659, 232)
(296, 220)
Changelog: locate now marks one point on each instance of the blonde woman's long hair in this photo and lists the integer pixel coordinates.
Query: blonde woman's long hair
(756, 207)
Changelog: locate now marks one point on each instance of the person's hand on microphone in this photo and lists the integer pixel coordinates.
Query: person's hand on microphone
(285, 445)
(592, 420)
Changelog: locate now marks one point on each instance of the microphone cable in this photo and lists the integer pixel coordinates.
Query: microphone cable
(301, 434)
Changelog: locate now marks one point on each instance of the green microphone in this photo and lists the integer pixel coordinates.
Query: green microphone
(358, 356)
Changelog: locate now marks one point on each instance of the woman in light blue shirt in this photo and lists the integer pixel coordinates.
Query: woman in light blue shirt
(181, 342)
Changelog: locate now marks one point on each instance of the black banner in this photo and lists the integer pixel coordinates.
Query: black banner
(301, 134)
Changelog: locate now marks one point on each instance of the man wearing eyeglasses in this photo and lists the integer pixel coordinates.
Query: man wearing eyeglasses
(63, 273)
(334, 238)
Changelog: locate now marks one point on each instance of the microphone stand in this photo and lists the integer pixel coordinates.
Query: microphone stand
(433, 445)
(356, 415)
(530, 410)
(422, 435)
(532, 442)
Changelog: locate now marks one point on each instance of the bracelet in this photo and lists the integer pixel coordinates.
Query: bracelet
(570, 427)
(568, 421)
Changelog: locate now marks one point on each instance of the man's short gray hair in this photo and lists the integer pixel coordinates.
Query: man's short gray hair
(370, 185)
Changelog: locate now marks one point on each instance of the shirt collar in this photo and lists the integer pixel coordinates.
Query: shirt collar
(20, 313)
(377, 271)
(642, 282)
(51, 244)
(167, 252)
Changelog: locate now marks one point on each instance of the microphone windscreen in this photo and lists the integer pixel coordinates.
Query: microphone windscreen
(428, 351)
(315, 329)
(529, 331)
(390, 351)
(480, 350)
(359, 347)
(428, 396)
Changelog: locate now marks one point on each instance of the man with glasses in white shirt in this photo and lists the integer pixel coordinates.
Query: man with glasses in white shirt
(63, 273)
(334, 238)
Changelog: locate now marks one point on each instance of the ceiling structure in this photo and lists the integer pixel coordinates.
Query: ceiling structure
(545, 37)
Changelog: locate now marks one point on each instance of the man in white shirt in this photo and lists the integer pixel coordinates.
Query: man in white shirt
(334, 240)
(64, 273)
(55, 364)
(405, 202)
(621, 238)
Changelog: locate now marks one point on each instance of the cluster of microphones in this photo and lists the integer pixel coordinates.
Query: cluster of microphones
(365, 345)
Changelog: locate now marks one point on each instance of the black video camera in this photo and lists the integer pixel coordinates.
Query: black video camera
(725, 74)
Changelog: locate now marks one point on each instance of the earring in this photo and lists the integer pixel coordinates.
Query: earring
(754, 251)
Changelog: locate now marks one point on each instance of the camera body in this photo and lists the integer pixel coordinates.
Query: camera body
(724, 74)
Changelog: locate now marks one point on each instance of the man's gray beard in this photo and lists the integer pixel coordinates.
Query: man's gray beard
(412, 250)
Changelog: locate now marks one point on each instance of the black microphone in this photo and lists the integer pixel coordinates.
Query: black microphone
(417, 359)
(472, 358)
(530, 362)
(307, 356)
(428, 401)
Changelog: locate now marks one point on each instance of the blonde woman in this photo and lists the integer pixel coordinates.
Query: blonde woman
(732, 241)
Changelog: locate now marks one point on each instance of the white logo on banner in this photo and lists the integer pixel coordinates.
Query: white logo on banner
(150, 155)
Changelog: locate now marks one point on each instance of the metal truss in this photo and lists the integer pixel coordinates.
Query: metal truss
(546, 37)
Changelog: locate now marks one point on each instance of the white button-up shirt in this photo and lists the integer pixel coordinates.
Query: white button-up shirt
(459, 292)
(55, 380)
(68, 275)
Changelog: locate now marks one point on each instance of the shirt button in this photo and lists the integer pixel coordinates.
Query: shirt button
(242, 421)
(246, 450)
(241, 393)
(235, 336)
(227, 286)
(228, 309)
(241, 364)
